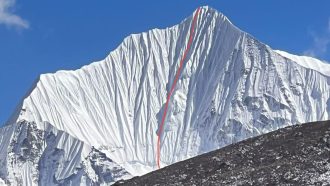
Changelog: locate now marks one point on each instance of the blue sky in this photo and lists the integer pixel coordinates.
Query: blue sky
(45, 36)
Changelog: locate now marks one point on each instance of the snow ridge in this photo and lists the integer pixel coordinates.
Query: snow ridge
(232, 87)
(308, 62)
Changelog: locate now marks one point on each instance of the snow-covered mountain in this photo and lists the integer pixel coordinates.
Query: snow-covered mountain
(99, 124)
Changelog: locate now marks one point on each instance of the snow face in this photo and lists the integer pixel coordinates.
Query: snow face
(232, 87)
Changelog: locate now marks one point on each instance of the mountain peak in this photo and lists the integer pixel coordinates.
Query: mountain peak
(231, 87)
(207, 11)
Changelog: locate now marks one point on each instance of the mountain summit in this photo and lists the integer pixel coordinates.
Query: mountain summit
(99, 124)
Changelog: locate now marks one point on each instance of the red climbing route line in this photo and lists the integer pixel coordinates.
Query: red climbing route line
(192, 30)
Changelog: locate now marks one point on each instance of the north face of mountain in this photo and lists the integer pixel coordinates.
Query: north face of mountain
(232, 87)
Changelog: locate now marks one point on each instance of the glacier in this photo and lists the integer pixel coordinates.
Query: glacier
(98, 124)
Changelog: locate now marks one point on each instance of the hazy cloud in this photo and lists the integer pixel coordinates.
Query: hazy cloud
(321, 42)
(7, 17)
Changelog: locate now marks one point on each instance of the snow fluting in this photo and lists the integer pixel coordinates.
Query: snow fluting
(103, 118)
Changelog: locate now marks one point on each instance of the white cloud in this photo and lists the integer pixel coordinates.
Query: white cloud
(7, 17)
(321, 43)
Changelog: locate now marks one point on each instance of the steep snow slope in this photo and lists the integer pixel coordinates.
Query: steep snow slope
(232, 87)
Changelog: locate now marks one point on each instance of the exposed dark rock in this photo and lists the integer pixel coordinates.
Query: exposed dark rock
(296, 155)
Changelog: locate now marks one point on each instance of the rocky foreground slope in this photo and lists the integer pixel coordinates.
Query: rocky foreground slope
(295, 155)
(99, 124)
